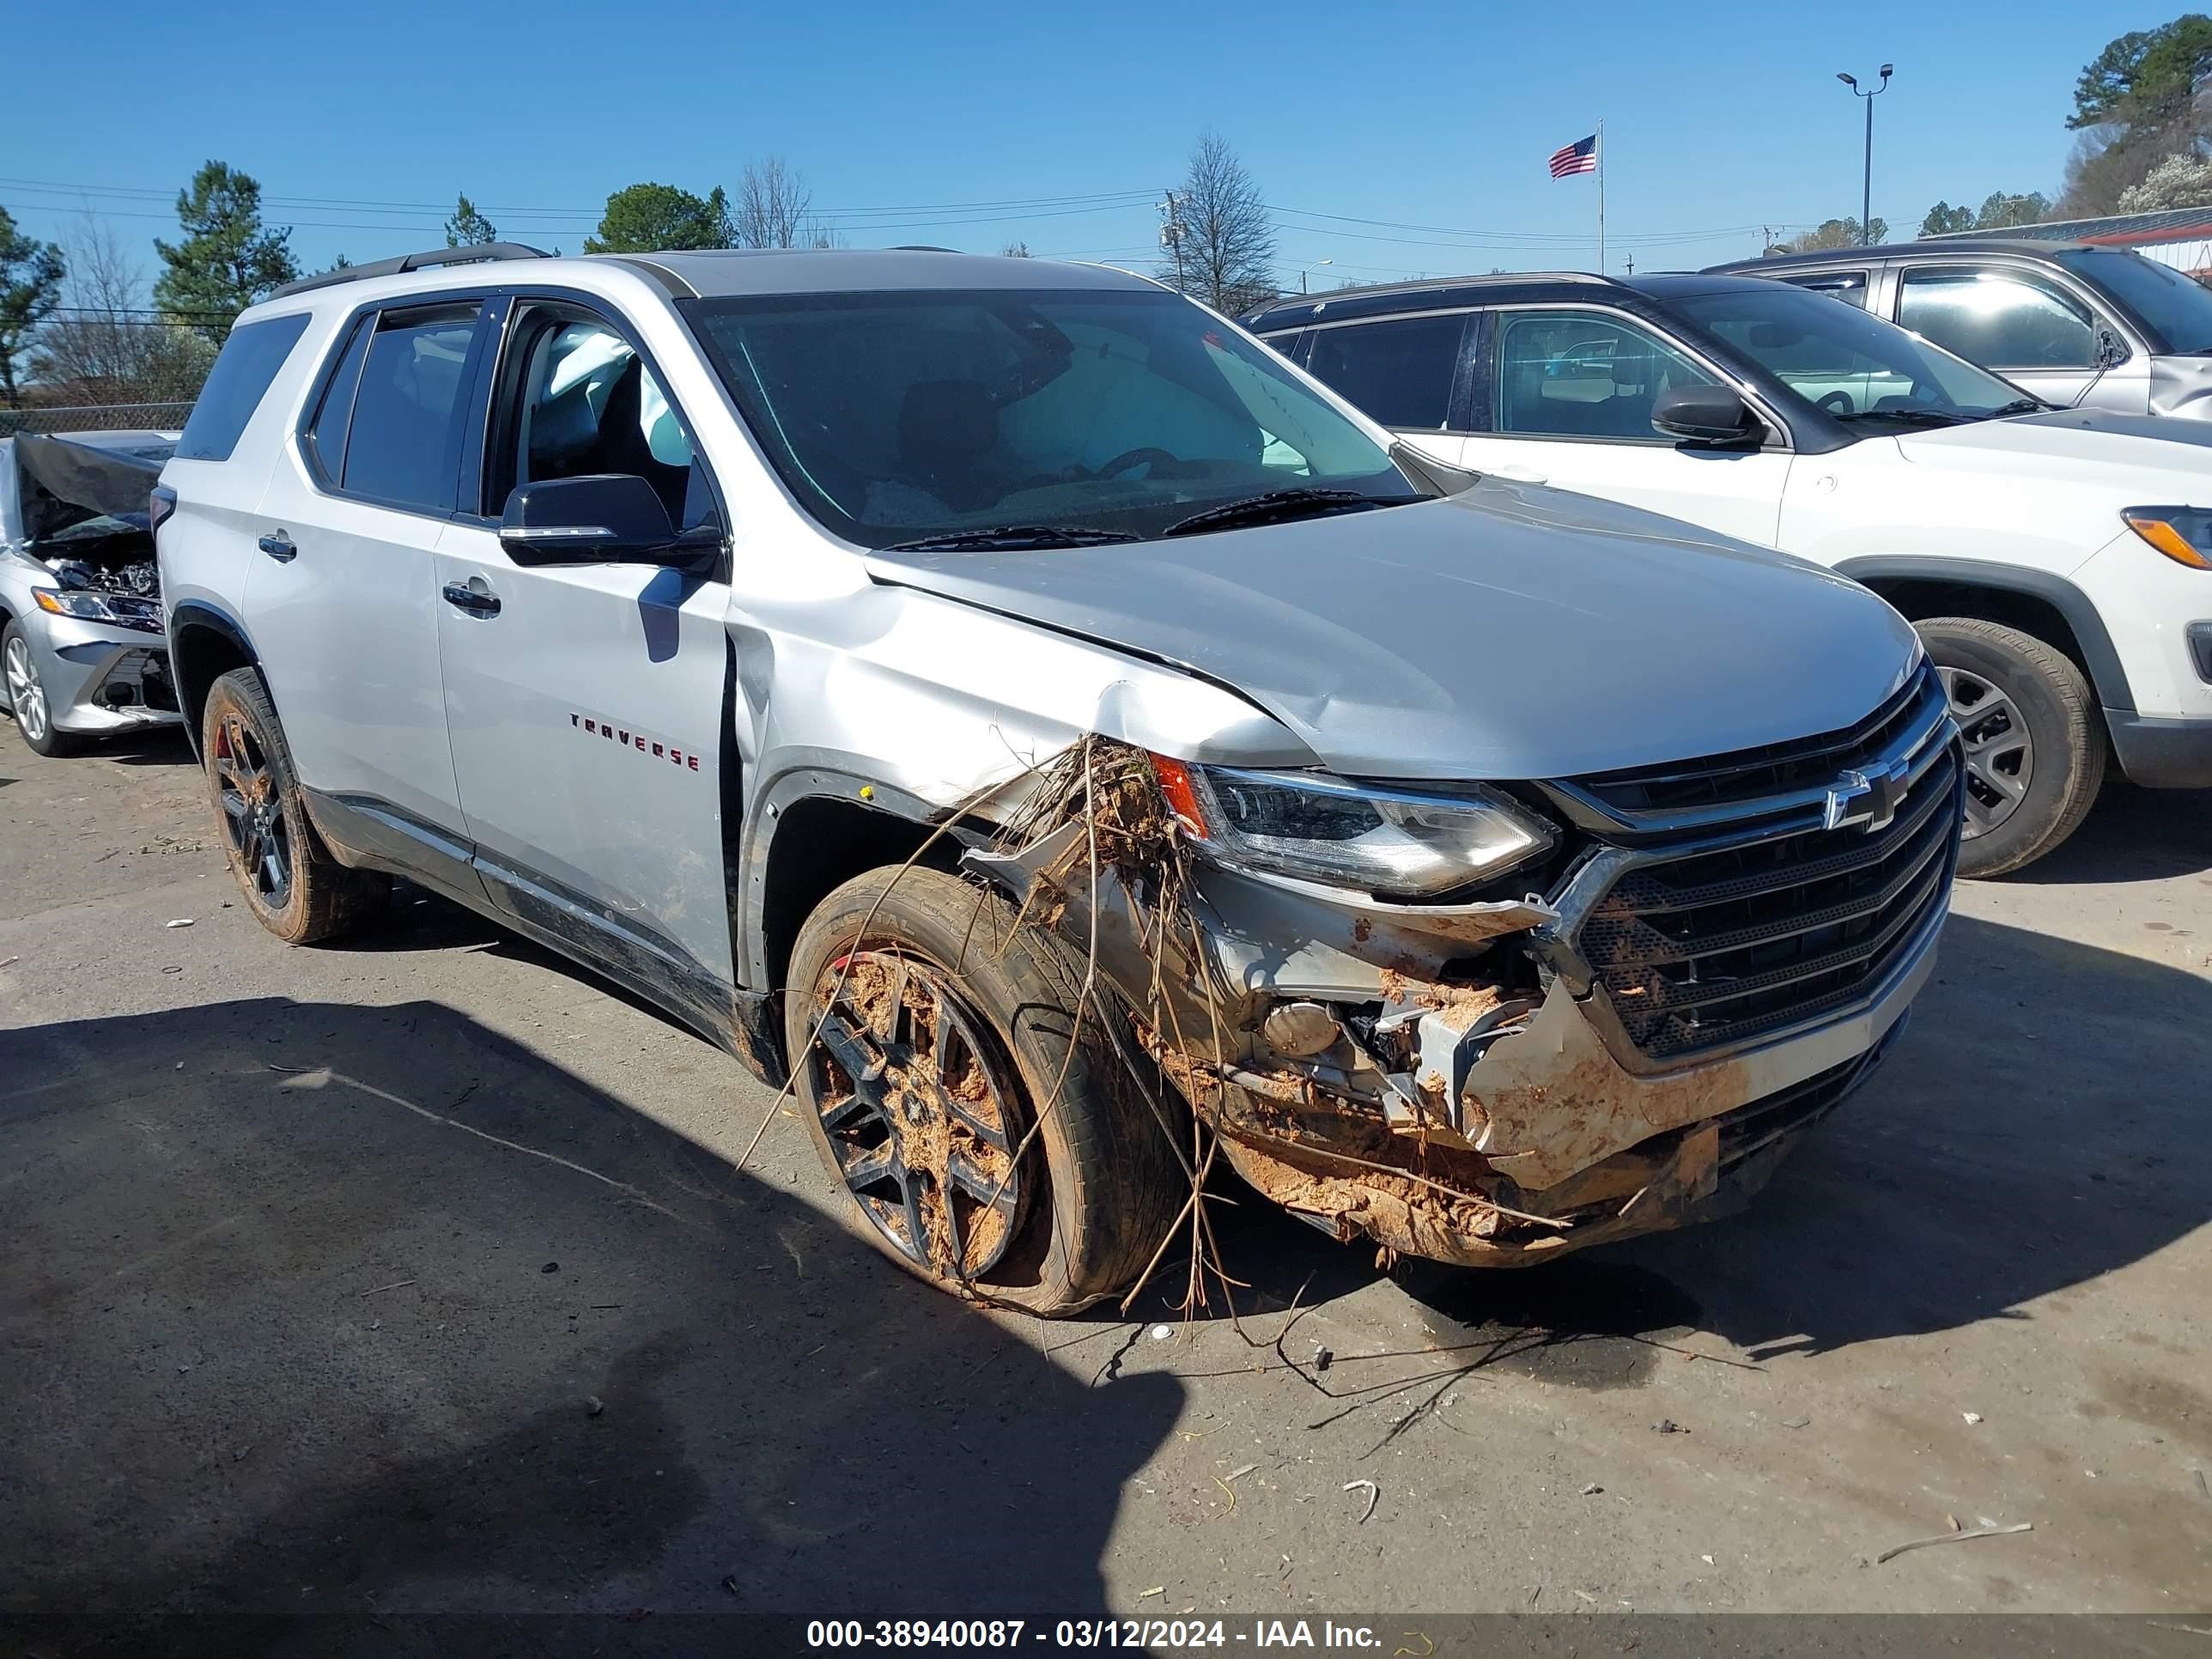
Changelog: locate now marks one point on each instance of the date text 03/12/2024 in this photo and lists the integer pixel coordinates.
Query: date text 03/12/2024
(1141, 1634)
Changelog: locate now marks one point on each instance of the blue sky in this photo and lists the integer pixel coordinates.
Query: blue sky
(362, 122)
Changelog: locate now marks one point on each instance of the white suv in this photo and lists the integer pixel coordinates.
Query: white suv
(2058, 563)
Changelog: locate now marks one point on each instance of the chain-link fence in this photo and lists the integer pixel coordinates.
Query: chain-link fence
(94, 417)
(103, 368)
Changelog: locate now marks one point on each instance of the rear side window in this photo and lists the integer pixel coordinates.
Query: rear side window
(236, 386)
(1398, 373)
(401, 439)
(1848, 286)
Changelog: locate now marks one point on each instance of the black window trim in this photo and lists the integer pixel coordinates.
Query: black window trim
(497, 304)
(482, 415)
(1781, 437)
(2102, 312)
(1458, 400)
(319, 478)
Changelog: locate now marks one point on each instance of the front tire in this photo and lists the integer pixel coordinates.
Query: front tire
(289, 879)
(2034, 741)
(27, 695)
(943, 1030)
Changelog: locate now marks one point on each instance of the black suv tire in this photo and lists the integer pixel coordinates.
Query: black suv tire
(290, 881)
(1994, 673)
(961, 1006)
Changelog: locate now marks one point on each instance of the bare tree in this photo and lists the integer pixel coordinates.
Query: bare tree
(102, 345)
(1016, 250)
(1221, 244)
(775, 208)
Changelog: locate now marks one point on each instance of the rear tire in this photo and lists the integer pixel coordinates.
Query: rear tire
(959, 1006)
(2035, 742)
(26, 694)
(289, 879)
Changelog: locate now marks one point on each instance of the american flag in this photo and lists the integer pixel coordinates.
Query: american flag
(1578, 157)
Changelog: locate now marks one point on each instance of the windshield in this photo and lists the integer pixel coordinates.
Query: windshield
(1854, 367)
(1025, 414)
(2176, 309)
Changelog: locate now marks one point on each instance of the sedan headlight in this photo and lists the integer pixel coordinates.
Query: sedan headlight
(1311, 827)
(2183, 534)
(116, 609)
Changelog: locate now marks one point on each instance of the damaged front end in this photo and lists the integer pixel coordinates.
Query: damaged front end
(1721, 952)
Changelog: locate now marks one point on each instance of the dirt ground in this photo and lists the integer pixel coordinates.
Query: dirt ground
(413, 1274)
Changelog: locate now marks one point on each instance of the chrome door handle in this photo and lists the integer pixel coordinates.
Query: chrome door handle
(475, 602)
(278, 546)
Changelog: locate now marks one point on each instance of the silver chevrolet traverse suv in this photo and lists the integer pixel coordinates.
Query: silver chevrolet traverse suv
(1482, 873)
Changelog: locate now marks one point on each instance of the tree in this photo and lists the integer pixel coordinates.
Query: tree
(2179, 181)
(775, 207)
(2000, 211)
(1222, 245)
(1944, 220)
(647, 218)
(100, 347)
(2139, 102)
(30, 287)
(1833, 234)
(226, 260)
(1016, 250)
(468, 227)
(2147, 74)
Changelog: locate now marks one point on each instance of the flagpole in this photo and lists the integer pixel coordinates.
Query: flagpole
(1600, 198)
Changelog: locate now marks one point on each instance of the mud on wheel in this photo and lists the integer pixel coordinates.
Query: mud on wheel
(290, 881)
(988, 1143)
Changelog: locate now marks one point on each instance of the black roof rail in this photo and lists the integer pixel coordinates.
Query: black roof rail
(468, 254)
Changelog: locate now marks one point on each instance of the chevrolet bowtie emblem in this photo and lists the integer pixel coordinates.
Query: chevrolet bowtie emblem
(1865, 800)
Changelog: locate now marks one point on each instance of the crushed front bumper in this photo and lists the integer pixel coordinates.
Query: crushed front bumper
(1496, 1083)
(102, 680)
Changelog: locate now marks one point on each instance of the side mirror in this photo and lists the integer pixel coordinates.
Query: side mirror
(604, 518)
(1706, 413)
(2111, 350)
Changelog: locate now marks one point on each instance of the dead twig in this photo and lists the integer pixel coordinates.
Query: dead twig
(1954, 1538)
(397, 1284)
(1374, 1496)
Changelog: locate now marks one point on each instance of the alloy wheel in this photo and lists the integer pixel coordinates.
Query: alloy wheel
(253, 812)
(919, 1111)
(26, 696)
(2000, 754)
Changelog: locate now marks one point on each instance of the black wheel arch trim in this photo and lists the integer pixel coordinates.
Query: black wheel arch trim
(199, 613)
(2103, 661)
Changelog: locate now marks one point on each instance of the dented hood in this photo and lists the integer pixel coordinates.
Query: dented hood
(1508, 632)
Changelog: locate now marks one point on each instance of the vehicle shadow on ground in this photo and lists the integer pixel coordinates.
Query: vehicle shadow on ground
(394, 1316)
(2040, 1124)
(162, 745)
(2132, 835)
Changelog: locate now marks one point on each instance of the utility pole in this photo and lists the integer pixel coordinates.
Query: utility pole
(1866, 182)
(1171, 234)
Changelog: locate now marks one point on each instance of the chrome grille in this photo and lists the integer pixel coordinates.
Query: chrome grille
(1714, 938)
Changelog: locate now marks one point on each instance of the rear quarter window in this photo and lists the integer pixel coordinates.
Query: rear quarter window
(242, 377)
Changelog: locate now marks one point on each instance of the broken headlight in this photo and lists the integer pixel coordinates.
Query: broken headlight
(116, 609)
(1311, 827)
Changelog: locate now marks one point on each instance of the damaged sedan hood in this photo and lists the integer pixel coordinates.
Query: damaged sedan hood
(1503, 633)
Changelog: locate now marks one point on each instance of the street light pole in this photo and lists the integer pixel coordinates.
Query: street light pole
(1316, 265)
(1866, 183)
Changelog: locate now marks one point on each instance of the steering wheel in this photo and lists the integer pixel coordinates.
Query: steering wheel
(1837, 403)
(1129, 458)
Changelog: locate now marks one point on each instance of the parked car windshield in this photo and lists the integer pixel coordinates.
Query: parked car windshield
(1853, 367)
(1020, 414)
(2175, 307)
